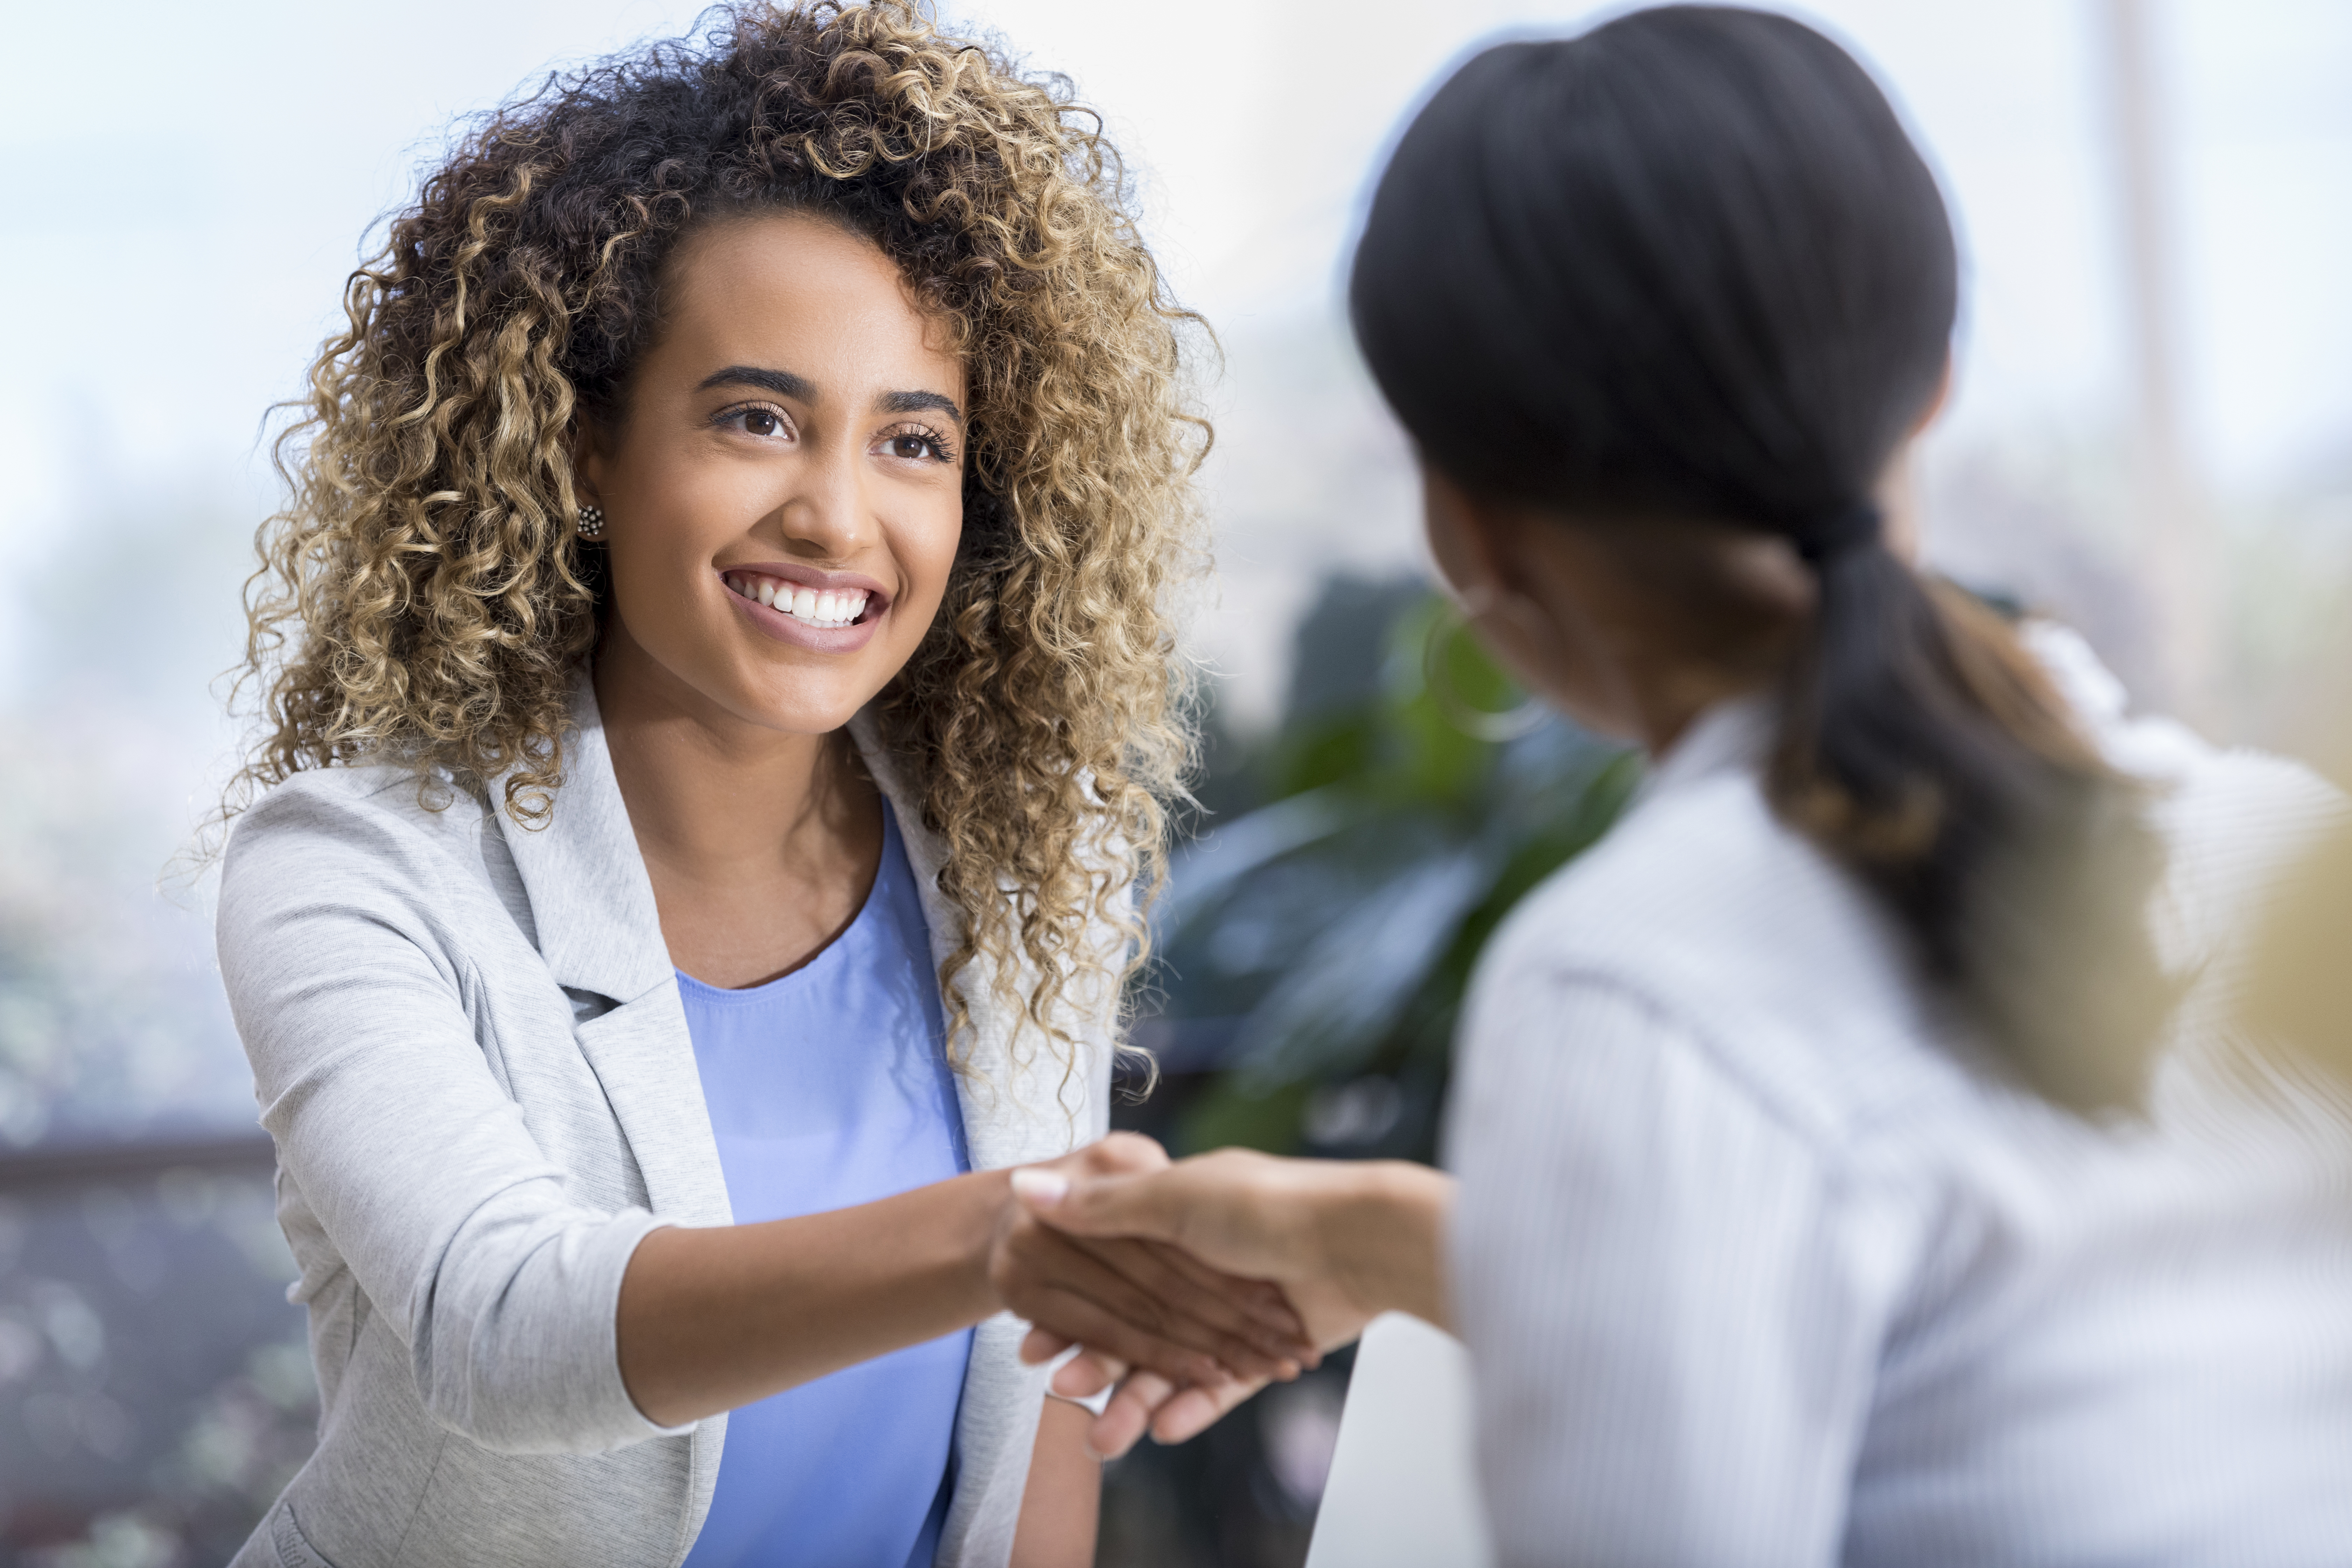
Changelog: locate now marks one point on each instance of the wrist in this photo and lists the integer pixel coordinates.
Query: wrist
(1389, 1242)
(992, 1204)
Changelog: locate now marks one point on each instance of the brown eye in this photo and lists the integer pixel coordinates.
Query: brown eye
(914, 448)
(761, 422)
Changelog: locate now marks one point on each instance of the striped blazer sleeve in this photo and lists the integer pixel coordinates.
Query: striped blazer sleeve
(1674, 1300)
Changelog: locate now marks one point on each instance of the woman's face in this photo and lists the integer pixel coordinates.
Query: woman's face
(784, 493)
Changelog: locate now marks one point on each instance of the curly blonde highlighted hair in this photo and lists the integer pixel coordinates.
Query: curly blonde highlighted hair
(424, 597)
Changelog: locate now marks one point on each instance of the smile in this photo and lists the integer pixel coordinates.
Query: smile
(827, 607)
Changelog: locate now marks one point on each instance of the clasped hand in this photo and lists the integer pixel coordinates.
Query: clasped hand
(1190, 1287)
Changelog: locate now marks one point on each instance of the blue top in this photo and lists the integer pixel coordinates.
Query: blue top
(827, 1087)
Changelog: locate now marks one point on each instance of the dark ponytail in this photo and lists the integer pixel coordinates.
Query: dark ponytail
(1689, 265)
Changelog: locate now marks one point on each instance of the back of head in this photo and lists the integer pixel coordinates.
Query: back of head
(1688, 266)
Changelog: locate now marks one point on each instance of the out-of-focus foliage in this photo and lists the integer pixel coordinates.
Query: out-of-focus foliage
(1316, 942)
(1316, 947)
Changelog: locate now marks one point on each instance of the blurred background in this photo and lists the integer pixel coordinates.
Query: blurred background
(2151, 438)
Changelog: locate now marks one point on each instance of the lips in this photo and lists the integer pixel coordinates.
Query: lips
(823, 612)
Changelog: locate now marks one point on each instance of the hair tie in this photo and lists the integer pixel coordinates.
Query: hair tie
(1850, 527)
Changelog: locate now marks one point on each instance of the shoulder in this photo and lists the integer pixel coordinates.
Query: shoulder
(2230, 802)
(2232, 821)
(370, 836)
(1705, 894)
(376, 807)
(2231, 818)
(1737, 936)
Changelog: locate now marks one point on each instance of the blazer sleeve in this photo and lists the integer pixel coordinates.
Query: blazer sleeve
(349, 994)
(1674, 1302)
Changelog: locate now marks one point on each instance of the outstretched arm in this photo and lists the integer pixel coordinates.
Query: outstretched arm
(700, 1310)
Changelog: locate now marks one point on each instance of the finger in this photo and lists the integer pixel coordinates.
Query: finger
(1090, 1324)
(1107, 1273)
(1123, 1319)
(1189, 1412)
(1129, 1414)
(1249, 1324)
(1232, 1308)
(1122, 1153)
(1039, 1346)
(1086, 1374)
(1139, 1204)
(1262, 1299)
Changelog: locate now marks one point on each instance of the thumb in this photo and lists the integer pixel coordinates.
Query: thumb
(1094, 1205)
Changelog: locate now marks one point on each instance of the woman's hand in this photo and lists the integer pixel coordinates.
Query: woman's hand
(1136, 1299)
(1345, 1241)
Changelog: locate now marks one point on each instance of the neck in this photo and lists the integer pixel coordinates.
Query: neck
(1669, 705)
(713, 797)
(1648, 631)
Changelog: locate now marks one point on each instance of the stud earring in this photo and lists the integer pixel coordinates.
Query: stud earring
(592, 523)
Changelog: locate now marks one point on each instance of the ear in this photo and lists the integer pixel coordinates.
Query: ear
(1476, 545)
(1898, 487)
(1935, 403)
(588, 459)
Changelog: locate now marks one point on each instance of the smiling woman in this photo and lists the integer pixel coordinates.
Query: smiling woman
(717, 713)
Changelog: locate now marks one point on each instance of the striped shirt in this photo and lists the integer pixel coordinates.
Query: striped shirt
(1760, 1265)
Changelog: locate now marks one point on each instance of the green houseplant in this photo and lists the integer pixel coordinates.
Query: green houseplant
(1315, 947)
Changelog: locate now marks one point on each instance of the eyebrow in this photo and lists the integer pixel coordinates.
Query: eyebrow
(784, 383)
(916, 402)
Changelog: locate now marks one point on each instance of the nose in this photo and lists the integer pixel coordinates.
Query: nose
(824, 516)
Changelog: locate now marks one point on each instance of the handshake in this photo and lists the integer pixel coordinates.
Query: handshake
(1188, 1287)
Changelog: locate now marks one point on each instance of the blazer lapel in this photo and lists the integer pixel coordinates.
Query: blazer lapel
(600, 932)
(645, 1058)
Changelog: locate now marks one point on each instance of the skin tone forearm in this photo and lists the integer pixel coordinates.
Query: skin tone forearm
(713, 1319)
(1380, 1226)
(1062, 1506)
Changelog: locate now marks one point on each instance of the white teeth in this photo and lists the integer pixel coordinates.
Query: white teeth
(824, 607)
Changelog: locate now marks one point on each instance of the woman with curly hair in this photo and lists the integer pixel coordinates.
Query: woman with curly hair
(718, 714)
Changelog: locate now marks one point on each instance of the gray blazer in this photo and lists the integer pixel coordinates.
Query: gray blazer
(468, 1043)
